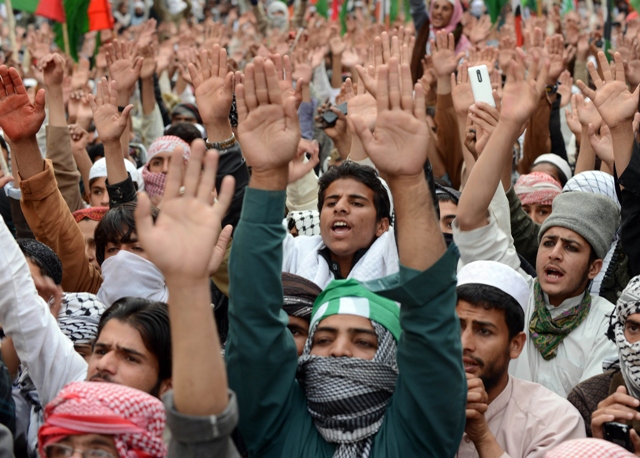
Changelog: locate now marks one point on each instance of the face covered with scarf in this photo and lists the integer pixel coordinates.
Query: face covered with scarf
(536, 191)
(155, 170)
(626, 331)
(104, 416)
(348, 368)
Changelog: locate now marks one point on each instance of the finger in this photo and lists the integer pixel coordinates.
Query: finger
(274, 91)
(588, 92)
(220, 249)
(223, 67)
(383, 89)
(174, 177)
(595, 77)
(241, 105)
(386, 51)
(113, 93)
(250, 87)
(142, 214)
(619, 67)
(377, 52)
(407, 88)
(225, 196)
(208, 175)
(419, 103)
(124, 117)
(394, 84)
(215, 60)
(604, 65)
(260, 81)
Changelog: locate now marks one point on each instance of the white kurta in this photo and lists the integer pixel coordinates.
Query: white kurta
(581, 353)
(528, 420)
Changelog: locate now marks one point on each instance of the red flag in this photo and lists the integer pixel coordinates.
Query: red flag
(100, 17)
(52, 9)
(334, 10)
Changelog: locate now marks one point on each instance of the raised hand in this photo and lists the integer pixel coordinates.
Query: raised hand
(554, 48)
(520, 95)
(19, 118)
(110, 123)
(564, 88)
(80, 76)
(613, 100)
(443, 54)
(52, 67)
(572, 118)
(268, 128)
(461, 93)
(213, 83)
(186, 242)
(632, 66)
(602, 144)
(123, 66)
(587, 112)
(485, 119)
(298, 167)
(336, 44)
(481, 30)
(149, 63)
(398, 146)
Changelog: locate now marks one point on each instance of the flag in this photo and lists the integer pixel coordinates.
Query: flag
(29, 6)
(608, 13)
(517, 14)
(495, 8)
(77, 24)
(568, 5)
(334, 10)
(51, 9)
(343, 16)
(322, 8)
(407, 10)
(100, 17)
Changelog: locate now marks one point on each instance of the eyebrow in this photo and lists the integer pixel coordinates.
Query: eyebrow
(634, 322)
(121, 349)
(350, 330)
(487, 324)
(449, 217)
(351, 196)
(564, 239)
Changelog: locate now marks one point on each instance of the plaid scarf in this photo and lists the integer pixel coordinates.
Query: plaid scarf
(348, 397)
(153, 182)
(547, 333)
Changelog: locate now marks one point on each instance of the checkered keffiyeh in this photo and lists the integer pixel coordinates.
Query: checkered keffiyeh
(79, 317)
(588, 448)
(629, 352)
(167, 144)
(595, 182)
(537, 188)
(348, 397)
(154, 182)
(135, 419)
(307, 221)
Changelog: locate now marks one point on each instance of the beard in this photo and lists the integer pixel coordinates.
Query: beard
(492, 372)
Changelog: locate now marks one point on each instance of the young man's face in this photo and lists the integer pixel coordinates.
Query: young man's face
(88, 229)
(632, 328)
(562, 264)
(98, 196)
(537, 212)
(486, 347)
(132, 245)
(345, 336)
(442, 12)
(120, 356)
(82, 442)
(299, 328)
(160, 162)
(448, 212)
(348, 217)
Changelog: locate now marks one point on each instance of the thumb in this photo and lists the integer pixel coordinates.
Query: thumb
(124, 117)
(144, 222)
(40, 100)
(358, 127)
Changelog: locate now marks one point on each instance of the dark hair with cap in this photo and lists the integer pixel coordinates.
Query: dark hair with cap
(44, 257)
(184, 130)
(299, 295)
(96, 152)
(446, 194)
(117, 226)
(187, 108)
(364, 174)
(151, 320)
(490, 297)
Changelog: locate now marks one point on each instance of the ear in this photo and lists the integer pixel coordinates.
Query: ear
(517, 344)
(382, 226)
(594, 269)
(165, 386)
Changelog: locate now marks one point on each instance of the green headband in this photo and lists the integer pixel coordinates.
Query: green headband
(349, 297)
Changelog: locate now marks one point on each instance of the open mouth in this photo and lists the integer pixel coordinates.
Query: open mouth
(340, 227)
(553, 273)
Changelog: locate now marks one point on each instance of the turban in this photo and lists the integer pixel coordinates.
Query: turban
(299, 295)
(92, 213)
(135, 419)
(79, 317)
(45, 256)
(537, 188)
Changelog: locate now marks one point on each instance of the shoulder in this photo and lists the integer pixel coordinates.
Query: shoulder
(541, 403)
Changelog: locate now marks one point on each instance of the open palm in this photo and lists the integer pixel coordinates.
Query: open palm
(19, 118)
(213, 84)
(110, 123)
(443, 54)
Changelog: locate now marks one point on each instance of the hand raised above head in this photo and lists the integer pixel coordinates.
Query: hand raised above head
(110, 123)
(19, 118)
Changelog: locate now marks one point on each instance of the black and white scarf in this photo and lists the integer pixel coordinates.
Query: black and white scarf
(348, 397)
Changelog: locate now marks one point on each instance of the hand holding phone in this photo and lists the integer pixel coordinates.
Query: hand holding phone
(481, 85)
(330, 118)
(619, 434)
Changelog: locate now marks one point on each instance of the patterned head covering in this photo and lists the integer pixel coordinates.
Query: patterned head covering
(537, 188)
(135, 419)
(188, 109)
(167, 144)
(79, 317)
(307, 222)
(595, 182)
(629, 353)
(45, 256)
(299, 295)
(588, 448)
(92, 213)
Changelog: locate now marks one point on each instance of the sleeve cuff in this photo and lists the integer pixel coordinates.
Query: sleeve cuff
(266, 207)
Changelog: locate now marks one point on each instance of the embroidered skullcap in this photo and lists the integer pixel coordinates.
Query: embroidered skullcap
(307, 222)
(556, 160)
(537, 188)
(135, 419)
(349, 297)
(595, 182)
(593, 216)
(498, 275)
(299, 295)
(79, 317)
(99, 170)
(588, 448)
(45, 256)
(188, 109)
(167, 144)
(92, 213)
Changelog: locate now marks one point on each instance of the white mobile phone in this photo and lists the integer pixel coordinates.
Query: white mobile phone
(481, 85)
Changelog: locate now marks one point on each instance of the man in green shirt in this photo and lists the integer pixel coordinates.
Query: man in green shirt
(373, 380)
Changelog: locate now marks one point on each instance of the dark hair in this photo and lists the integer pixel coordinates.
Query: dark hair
(116, 226)
(184, 130)
(151, 320)
(444, 197)
(491, 297)
(363, 174)
(95, 152)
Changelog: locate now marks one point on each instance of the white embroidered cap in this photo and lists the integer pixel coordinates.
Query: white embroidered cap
(498, 275)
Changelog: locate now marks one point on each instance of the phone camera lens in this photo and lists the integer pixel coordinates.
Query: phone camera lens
(479, 76)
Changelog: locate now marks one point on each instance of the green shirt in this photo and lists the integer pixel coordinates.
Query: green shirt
(426, 415)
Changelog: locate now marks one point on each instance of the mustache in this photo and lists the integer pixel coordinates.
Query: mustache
(477, 360)
(101, 377)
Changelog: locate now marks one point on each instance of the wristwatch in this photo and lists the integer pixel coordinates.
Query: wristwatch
(224, 144)
(552, 89)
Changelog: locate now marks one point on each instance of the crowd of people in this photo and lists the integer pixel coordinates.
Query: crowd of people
(244, 230)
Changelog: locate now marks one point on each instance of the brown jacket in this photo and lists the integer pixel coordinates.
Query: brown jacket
(64, 166)
(53, 224)
(537, 140)
(449, 146)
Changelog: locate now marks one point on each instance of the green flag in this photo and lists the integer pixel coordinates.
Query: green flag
(77, 24)
(344, 10)
(393, 11)
(567, 5)
(322, 7)
(495, 8)
(407, 10)
(25, 5)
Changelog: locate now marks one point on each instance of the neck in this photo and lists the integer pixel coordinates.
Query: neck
(495, 391)
(558, 299)
(345, 263)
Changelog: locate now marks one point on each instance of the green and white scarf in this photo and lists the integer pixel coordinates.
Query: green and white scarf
(547, 333)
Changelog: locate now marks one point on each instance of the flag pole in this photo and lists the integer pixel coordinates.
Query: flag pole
(65, 39)
(12, 26)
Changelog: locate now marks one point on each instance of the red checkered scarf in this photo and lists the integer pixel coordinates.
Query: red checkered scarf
(92, 213)
(154, 181)
(588, 448)
(135, 419)
(537, 188)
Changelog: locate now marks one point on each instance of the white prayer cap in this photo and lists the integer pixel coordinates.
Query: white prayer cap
(557, 161)
(99, 170)
(498, 275)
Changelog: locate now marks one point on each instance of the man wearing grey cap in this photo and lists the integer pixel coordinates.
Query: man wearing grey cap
(565, 325)
(506, 416)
